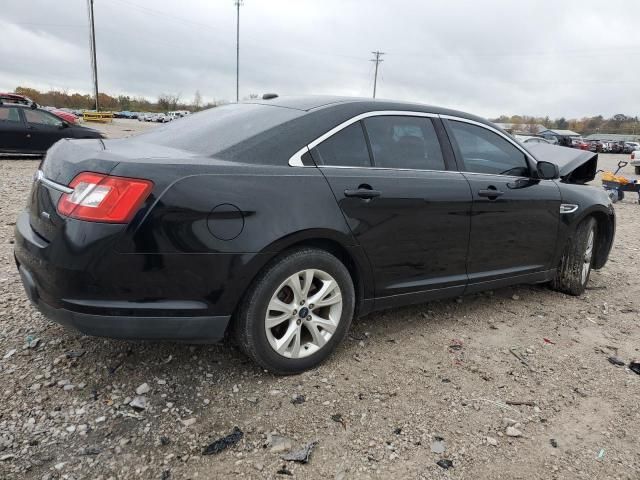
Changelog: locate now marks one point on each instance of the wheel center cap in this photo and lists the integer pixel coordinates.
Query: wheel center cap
(304, 312)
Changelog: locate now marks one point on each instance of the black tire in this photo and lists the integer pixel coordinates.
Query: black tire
(637, 169)
(569, 277)
(249, 322)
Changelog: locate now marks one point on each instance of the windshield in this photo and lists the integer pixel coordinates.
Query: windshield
(211, 131)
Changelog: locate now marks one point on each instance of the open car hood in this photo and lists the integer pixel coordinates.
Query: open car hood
(576, 166)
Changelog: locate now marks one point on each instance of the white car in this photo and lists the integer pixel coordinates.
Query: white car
(635, 161)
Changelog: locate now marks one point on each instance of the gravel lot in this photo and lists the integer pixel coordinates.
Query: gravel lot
(410, 387)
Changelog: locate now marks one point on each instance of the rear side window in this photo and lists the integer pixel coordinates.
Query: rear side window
(347, 148)
(8, 114)
(484, 151)
(404, 142)
(216, 129)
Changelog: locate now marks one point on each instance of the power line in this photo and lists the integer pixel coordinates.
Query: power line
(238, 4)
(92, 42)
(377, 60)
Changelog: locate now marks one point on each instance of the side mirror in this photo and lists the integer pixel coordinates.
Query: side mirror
(64, 124)
(547, 170)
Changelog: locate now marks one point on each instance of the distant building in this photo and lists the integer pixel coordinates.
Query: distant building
(522, 128)
(613, 137)
(558, 133)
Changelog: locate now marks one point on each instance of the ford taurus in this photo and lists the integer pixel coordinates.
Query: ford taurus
(277, 221)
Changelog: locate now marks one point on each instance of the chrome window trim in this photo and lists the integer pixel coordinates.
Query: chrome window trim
(48, 183)
(296, 158)
(391, 168)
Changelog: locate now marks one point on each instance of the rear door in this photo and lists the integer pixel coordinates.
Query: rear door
(13, 131)
(515, 216)
(404, 203)
(45, 129)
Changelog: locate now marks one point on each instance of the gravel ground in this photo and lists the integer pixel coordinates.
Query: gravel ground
(409, 388)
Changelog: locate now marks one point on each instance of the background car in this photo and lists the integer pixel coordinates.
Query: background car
(32, 130)
(635, 161)
(630, 147)
(532, 139)
(278, 221)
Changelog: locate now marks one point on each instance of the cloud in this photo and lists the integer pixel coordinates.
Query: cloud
(490, 57)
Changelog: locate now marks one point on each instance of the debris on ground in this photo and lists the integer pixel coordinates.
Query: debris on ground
(616, 360)
(634, 366)
(142, 389)
(278, 443)
(546, 340)
(513, 432)
(339, 419)
(223, 443)
(298, 399)
(438, 445)
(553, 443)
(284, 471)
(445, 463)
(302, 455)
(456, 345)
(601, 454)
(139, 403)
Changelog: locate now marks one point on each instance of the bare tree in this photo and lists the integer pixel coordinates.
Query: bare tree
(197, 100)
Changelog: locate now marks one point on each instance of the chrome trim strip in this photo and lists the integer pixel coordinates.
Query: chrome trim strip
(48, 183)
(568, 208)
(391, 168)
(296, 159)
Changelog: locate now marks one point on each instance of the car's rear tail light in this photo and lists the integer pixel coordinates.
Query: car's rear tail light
(103, 198)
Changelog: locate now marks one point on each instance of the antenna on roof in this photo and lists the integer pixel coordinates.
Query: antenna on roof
(269, 96)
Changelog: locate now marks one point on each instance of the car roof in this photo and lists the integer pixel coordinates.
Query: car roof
(313, 102)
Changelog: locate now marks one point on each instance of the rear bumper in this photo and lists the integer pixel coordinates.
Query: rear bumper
(201, 329)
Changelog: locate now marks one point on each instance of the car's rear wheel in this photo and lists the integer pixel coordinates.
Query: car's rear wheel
(575, 266)
(297, 311)
(637, 170)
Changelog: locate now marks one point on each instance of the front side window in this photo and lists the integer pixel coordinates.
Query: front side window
(404, 142)
(484, 151)
(346, 148)
(9, 114)
(38, 117)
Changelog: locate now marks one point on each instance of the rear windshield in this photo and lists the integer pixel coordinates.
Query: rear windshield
(219, 128)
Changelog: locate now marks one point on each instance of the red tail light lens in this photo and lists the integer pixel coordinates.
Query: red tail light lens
(103, 198)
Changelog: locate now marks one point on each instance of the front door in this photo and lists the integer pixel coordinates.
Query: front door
(514, 221)
(407, 210)
(13, 131)
(45, 129)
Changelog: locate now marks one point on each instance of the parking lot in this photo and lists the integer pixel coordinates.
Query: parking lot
(508, 384)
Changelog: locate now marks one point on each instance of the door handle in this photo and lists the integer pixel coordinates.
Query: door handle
(491, 193)
(364, 193)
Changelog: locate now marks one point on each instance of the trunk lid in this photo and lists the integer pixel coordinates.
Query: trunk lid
(67, 158)
(576, 166)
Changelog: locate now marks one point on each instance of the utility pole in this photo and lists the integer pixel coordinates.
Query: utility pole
(238, 4)
(92, 41)
(377, 60)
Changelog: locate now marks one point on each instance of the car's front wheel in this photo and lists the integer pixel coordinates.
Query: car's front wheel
(297, 311)
(575, 266)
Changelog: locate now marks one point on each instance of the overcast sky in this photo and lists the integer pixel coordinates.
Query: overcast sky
(548, 57)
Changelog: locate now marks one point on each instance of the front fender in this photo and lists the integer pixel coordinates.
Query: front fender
(592, 201)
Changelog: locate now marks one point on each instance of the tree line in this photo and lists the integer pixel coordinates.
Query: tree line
(619, 123)
(64, 99)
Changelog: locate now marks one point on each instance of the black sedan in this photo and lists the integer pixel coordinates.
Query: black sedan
(27, 129)
(278, 221)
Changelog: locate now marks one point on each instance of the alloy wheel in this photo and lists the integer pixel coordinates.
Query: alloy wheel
(303, 313)
(588, 254)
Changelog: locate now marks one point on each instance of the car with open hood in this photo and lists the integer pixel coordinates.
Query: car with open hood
(276, 222)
